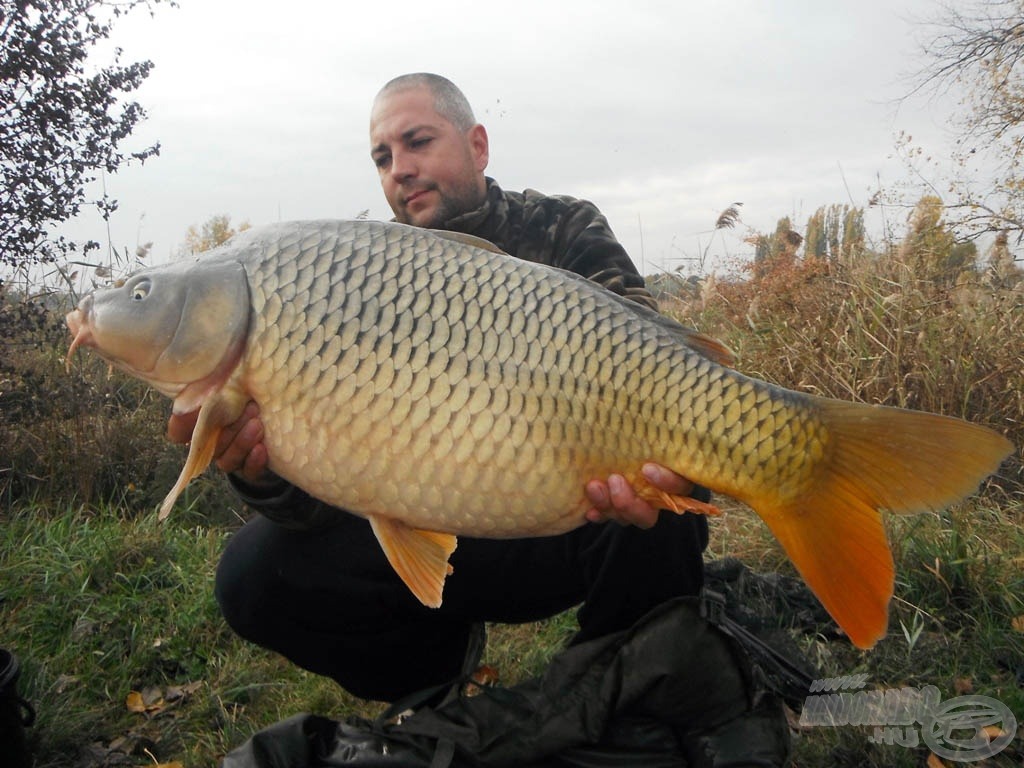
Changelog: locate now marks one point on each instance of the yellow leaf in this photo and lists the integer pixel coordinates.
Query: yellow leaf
(993, 732)
(935, 762)
(1018, 623)
(147, 702)
(134, 702)
(963, 685)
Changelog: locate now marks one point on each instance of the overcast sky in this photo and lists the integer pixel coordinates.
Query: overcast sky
(662, 113)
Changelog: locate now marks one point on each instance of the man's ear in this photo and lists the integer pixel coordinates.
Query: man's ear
(480, 146)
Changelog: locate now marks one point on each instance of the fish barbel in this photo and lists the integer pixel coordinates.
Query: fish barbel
(438, 387)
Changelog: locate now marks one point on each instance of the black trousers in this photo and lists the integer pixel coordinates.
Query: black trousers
(330, 602)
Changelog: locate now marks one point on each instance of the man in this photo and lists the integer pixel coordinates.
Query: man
(312, 583)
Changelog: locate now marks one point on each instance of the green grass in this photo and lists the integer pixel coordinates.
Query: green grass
(100, 603)
(959, 587)
(97, 605)
(98, 600)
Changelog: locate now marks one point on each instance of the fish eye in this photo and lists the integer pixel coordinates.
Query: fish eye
(140, 290)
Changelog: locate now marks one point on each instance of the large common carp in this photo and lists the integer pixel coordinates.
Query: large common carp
(438, 387)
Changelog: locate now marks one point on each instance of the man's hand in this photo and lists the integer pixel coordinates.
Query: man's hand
(615, 499)
(240, 447)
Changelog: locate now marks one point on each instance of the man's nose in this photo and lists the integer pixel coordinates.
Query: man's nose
(403, 166)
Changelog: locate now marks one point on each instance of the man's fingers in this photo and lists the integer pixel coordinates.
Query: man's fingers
(620, 492)
(666, 480)
(632, 510)
(239, 446)
(181, 425)
(237, 442)
(254, 469)
(240, 430)
(597, 494)
(616, 500)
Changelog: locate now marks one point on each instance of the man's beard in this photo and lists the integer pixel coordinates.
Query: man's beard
(450, 204)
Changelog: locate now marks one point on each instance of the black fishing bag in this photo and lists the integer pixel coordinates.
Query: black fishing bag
(685, 686)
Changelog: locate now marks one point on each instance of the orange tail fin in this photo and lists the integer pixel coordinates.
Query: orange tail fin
(877, 458)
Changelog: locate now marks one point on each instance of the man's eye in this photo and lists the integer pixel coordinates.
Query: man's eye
(382, 160)
(419, 143)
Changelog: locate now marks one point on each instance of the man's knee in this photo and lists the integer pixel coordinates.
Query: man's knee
(240, 584)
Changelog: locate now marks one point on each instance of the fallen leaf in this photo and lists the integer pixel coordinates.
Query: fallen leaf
(176, 692)
(963, 685)
(934, 761)
(134, 702)
(993, 732)
(62, 683)
(484, 677)
(175, 764)
(152, 695)
(131, 744)
(84, 628)
(1017, 623)
(149, 701)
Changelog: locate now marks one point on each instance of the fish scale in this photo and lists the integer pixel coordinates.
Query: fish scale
(422, 316)
(440, 388)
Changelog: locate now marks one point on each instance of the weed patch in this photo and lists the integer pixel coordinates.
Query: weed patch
(128, 660)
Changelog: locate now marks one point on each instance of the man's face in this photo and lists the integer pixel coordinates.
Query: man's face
(430, 170)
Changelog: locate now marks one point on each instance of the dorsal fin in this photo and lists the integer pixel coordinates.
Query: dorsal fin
(473, 240)
(713, 349)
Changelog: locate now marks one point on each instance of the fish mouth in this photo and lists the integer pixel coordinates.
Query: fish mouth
(79, 322)
(80, 327)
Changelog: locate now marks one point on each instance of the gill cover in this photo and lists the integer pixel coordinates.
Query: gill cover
(181, 327)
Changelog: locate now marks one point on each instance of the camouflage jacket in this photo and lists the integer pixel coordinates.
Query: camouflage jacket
(555, 230)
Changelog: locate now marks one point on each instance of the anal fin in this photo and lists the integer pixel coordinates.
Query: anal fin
(420, 558)
(681, 504)
(663, 500)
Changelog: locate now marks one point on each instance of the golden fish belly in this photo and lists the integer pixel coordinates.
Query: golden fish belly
(465, 394)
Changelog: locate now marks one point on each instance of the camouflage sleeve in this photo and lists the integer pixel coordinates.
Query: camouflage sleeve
(285, 504)
(577, 237)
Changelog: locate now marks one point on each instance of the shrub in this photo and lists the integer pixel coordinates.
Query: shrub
(873, 330)
(78, 433)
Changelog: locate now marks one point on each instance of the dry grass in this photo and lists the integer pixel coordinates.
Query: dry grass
(873, 332)
(88, 586)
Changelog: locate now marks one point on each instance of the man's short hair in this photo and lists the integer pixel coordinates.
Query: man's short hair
(449, 102)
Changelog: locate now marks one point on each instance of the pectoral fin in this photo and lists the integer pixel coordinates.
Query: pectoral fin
(217, 412)
(420, 558)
